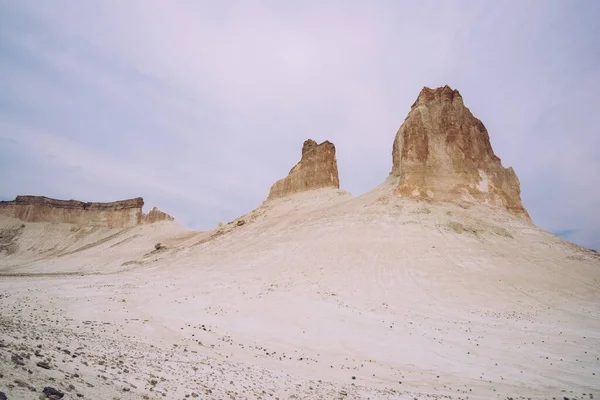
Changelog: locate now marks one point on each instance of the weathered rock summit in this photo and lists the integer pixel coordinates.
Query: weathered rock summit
(443, 153)
(122, 213)
(317, 169)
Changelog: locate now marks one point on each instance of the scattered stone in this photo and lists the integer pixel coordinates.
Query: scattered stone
(50, 391)
(43, 364)
(17, 359)
(21, 383)
(3, 396)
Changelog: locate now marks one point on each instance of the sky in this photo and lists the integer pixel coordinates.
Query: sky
(200, 106)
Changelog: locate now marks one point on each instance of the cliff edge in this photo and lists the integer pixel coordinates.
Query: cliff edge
(124, 213)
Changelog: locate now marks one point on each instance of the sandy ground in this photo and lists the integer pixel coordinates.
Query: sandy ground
(315, 296)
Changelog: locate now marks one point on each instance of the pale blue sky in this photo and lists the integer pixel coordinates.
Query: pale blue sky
(200, 106)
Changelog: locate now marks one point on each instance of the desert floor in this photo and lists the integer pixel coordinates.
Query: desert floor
(317, 296)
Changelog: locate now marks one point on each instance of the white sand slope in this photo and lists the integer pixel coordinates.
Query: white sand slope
(317, 295)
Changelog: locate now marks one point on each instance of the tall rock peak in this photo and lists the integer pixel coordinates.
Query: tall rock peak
(443, 153)
(443, 94)
(317, 169)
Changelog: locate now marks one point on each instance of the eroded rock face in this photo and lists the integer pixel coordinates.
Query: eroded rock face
(122, 213)
(317, 169)
(442, 152)
(155, 215)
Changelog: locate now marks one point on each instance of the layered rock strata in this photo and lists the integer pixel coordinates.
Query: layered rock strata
(443, 153)
(124, 213)
(316, 169)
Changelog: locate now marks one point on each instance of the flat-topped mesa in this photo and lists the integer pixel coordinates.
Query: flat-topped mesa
(138, 202)
(317, 169)
(443, 153)
(124, 213)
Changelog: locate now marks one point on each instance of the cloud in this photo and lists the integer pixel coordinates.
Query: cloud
(201, 106)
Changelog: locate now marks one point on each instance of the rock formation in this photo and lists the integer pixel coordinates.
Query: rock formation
(442, 152)
(317, 169)
(123, 213)
(155, 215)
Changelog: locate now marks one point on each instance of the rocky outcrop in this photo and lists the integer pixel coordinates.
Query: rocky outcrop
(317, 169)
(443, 153)
(155, 215)
(122, 213)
